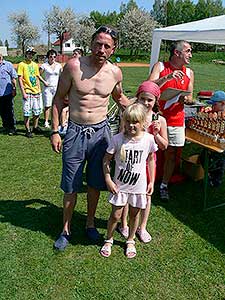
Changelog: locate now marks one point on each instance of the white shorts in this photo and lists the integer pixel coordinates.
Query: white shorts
(32, 105)
(48, 94)
(135, 200)
(176, 136)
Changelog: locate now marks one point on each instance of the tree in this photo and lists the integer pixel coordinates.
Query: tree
(6, 44)
(208, 8)
(84, 31)
(124, 8)
(23, 32)
(136, 29)
(58, 21)
(110, 18)
(159, 11)
(1, 43)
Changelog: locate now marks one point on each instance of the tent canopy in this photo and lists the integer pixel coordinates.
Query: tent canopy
(208, 31)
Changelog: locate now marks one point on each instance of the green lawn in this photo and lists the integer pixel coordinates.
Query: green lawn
(185, 259)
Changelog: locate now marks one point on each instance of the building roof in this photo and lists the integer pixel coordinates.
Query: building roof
(66, 37)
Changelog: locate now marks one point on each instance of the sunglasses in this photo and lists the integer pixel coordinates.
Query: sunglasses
(107, 30)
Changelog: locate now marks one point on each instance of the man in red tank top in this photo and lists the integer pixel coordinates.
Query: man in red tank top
(174, 74)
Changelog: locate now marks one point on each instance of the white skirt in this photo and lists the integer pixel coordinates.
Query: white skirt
(135, 200)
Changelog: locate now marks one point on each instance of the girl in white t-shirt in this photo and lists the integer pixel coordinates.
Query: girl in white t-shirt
(130, 149)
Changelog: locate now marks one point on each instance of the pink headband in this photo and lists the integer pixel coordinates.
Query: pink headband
(149, 87)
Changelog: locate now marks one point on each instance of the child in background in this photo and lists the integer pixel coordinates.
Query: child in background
(216, 160)
(130, 149)
(148, 94)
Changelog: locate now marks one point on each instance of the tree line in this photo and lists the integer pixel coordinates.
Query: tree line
(135, 25)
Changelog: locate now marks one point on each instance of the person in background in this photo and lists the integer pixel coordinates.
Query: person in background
(216, 167)
(88, 81)
(52, 70)
(131, 149)
(7, 93)
(28, 76)
(148, 94)
(78, 52)
(174, 74)
(64, 118)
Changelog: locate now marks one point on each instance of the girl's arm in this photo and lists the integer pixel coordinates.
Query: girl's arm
(151, 169)
(106, 169)
(160, 133)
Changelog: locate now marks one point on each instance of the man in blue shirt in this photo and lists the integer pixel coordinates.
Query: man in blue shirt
(7, 92)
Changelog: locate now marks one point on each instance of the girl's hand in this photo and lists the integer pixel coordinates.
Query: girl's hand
(156, 127)
(150, 188)
(112, 187)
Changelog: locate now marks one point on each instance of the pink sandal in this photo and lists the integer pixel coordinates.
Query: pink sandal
(123, 231)
(143, 235)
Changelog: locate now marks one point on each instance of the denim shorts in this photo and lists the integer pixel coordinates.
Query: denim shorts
(84, 144)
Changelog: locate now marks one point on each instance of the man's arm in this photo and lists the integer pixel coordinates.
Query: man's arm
(189, 99)
(63, 88)
(20, 80)
(154, 76)
(37, 74)
(13, 80)
(117, 93)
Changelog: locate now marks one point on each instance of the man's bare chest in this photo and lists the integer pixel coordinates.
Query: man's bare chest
(101, 83)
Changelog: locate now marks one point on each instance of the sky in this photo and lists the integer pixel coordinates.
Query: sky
(36, 9)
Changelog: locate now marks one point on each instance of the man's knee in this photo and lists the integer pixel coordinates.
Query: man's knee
(70, 196)
(170, 153)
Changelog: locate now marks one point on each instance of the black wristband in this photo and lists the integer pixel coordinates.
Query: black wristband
(54, 132)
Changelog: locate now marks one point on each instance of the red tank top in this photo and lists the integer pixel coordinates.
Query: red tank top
(174, 115)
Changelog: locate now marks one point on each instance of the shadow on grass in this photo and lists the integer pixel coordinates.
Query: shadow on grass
(41, 215)
(186, 205)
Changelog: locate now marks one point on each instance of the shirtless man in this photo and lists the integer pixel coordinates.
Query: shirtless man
(174, 74)
(89, 81)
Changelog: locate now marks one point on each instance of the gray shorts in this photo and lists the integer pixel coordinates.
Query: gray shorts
(84, 143)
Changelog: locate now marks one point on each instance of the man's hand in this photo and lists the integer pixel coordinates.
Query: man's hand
(56, 142)
(177, 74)
(24, 95)
(14, 92)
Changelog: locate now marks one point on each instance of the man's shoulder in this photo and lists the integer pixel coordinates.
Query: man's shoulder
(22, 63)
(73, 63)
(8, 64)
(34, 64)
(113, 69)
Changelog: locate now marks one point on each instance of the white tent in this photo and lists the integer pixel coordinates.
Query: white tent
(209, 31)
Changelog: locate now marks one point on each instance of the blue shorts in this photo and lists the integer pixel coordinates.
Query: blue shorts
(84, 143)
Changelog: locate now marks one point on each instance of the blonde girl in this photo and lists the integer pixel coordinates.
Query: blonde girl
(148, 94)
(130, 149)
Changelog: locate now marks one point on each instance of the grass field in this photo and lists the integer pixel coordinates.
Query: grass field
(185, 259)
